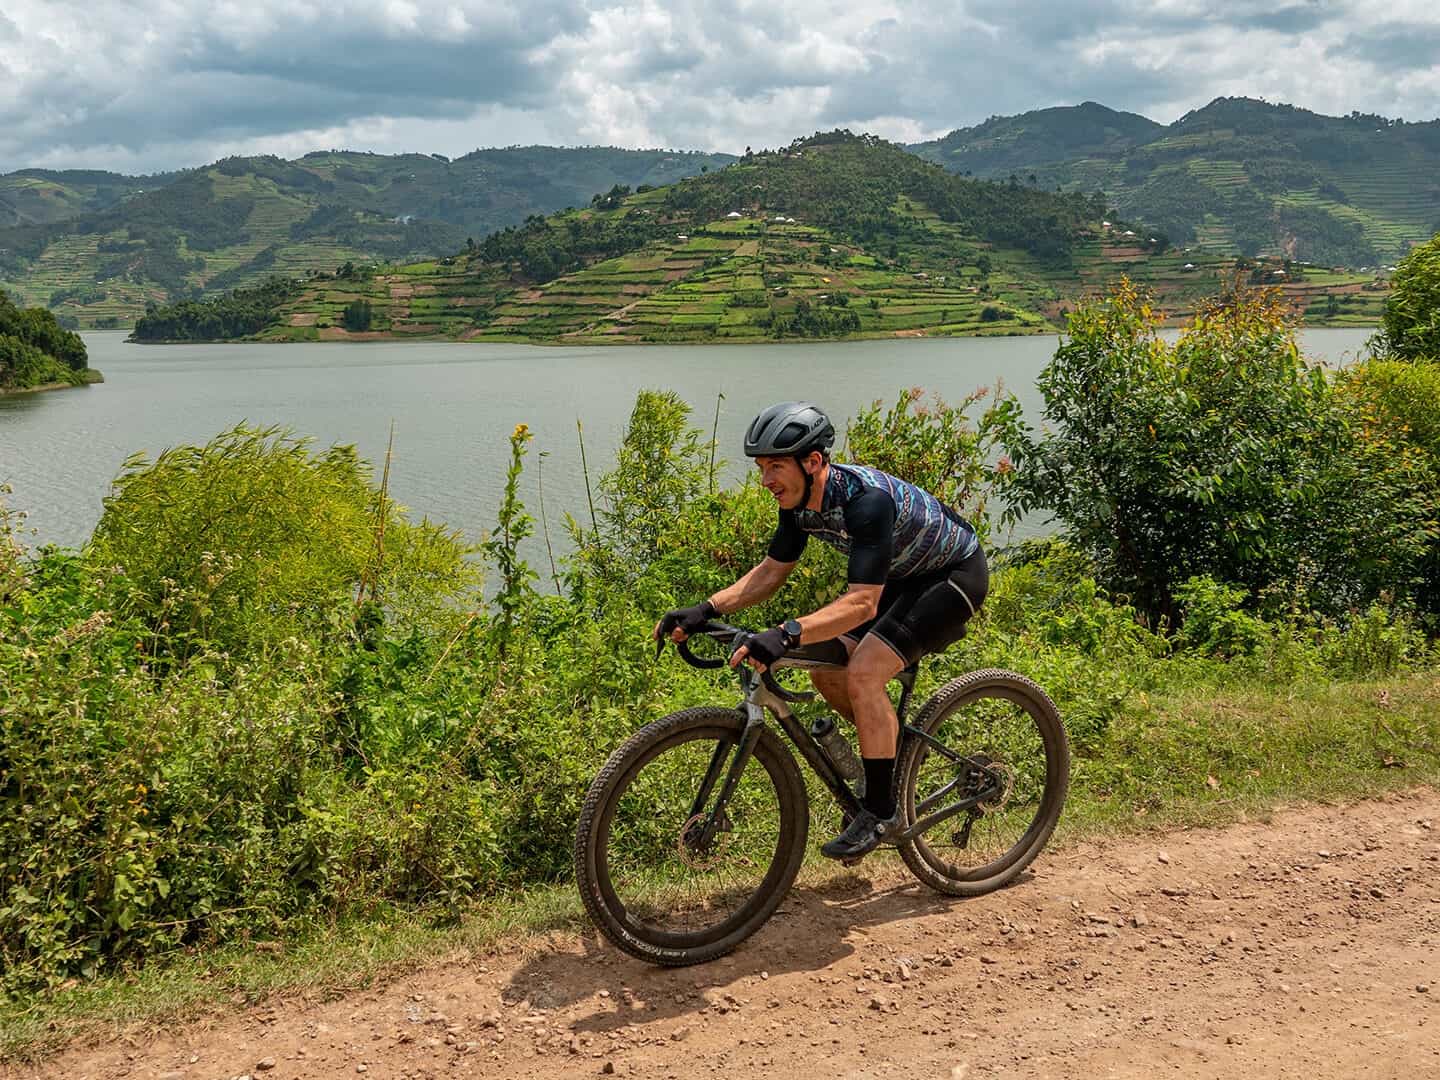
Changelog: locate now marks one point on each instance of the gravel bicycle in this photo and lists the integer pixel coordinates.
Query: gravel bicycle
(696, 826)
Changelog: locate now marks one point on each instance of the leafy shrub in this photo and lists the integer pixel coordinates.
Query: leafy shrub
(1223, 455)
(252, 538)
(1410, 327)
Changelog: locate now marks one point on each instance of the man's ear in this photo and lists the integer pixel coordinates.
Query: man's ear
(814, 463)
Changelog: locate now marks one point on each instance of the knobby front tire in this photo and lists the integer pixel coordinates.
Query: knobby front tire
(1009, 723)
(663, 899)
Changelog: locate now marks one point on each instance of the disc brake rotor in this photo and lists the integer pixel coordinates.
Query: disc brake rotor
(997, 801)
(695, 855)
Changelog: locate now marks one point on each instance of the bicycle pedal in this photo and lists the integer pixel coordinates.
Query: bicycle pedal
(852, 862)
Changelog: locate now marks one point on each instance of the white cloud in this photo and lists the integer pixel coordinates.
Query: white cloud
(164, 83)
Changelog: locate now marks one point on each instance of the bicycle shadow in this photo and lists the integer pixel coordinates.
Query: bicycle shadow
(817, 926)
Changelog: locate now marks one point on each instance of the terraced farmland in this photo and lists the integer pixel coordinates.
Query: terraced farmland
(737, 282)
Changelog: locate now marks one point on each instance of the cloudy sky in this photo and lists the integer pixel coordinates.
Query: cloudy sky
(145, 85)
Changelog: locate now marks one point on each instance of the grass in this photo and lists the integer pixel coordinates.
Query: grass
(1198, 756)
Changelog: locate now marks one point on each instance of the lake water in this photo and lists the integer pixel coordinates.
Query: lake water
(454, 406)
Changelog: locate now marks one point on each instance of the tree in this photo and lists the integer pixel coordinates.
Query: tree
(1224, 454)
(358, 315)
(1410, 328)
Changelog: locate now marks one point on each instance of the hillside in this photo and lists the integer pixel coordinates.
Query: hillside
(1237, 176)
(836, 235)
(46, 196)
(98, 247)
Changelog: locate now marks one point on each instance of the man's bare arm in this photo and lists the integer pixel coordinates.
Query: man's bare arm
(755, 587)
(847, 611)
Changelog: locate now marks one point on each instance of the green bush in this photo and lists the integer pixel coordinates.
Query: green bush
(253, 538)
(1224, 455)
(1410, 327)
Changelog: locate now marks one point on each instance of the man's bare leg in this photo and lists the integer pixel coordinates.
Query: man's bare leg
(872, 665)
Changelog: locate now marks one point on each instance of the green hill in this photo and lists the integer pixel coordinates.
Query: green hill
(97, 248)
(836, 235)
(45, 196)
(1237, 176)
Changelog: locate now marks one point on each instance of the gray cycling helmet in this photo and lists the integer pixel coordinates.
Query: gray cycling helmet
(791, 428)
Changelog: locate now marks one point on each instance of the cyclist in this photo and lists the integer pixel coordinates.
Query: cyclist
(916, 575)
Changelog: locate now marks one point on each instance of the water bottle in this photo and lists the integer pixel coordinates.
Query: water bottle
(837, 749)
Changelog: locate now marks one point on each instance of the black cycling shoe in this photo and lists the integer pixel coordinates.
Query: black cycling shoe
(862, 836)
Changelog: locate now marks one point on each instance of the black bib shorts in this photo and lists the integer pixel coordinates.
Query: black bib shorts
(927, 613)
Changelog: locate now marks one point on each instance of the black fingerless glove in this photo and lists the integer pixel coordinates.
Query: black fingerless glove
(688, 619)
(767, 646)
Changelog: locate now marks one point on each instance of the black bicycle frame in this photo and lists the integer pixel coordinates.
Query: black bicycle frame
(763, 694)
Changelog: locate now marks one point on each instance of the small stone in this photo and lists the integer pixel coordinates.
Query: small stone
(986, 958)
(362, 1068)
(1163, 857)
(1140, 919)
(1422, 988)
(604, 993)
(879, 1003)
(265, 1064)
(608, 1068)
(680, 1034)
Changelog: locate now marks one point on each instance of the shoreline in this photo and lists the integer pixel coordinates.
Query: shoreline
(92, 378)
(387, 338)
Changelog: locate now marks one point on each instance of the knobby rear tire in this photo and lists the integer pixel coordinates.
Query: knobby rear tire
(949, 704)
(592, 861)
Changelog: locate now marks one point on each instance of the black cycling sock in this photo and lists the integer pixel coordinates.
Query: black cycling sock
(879, 779)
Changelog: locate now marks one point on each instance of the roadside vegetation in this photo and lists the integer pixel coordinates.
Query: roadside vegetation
(36, 351)
(263, 704)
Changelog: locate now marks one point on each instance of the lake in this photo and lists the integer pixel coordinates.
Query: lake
(454, 406)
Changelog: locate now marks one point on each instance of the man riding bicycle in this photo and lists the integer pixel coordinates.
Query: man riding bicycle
(916, 576)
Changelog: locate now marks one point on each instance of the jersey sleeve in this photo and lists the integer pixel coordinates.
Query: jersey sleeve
(870, 520)
(789, 539)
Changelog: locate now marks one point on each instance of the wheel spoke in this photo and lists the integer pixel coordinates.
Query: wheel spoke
(668, 884)
(989, 745)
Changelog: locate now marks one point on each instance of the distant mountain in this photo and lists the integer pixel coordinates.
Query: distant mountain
(1044, 138)
(45, 196)
(97, 248)
(1238, 175)
(837, 235)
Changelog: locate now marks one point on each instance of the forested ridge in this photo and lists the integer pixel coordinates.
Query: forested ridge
(36, 350)
(99, 247)
(1238, 175)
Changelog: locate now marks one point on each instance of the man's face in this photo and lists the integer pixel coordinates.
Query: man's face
(783, 478)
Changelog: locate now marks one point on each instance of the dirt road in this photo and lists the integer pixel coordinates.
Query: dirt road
(1308, 947)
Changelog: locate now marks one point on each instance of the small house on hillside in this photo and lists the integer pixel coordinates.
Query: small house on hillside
(734, 214)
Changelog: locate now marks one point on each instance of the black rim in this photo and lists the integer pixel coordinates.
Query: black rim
(724, 881)
(1001, 730)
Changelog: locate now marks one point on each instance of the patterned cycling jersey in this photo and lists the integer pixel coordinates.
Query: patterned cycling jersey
(890, 528)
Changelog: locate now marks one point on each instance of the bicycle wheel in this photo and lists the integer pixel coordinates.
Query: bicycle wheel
(995, 734)
(651, 881)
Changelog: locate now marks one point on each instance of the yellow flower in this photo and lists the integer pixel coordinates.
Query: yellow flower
(522, 432)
